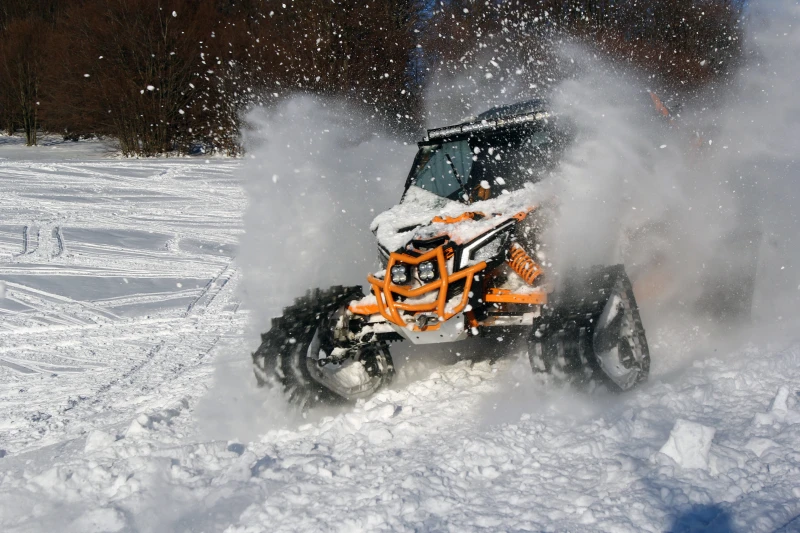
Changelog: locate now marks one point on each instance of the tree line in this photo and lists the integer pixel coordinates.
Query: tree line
(165, 76)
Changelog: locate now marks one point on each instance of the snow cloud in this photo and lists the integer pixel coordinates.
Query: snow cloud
(698, 209)
(706, 201)
(317, 173)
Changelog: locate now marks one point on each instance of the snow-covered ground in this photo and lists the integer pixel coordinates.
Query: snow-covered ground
(126, 402)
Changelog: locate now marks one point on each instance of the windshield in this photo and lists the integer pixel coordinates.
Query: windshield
(485, 164)
(440, 167)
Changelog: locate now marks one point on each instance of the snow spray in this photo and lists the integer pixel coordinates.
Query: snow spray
(317, 173)
(698, 209)
(710, 200)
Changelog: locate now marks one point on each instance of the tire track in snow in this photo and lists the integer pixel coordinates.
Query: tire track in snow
(211, 290)
(22, 369)
(182, 343)
(58, 352)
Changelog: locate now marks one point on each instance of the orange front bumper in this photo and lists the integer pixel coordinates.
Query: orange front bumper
(386, 292)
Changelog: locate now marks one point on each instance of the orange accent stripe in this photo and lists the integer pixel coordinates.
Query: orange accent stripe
(463, 216)
(368, 309)
(505, 296)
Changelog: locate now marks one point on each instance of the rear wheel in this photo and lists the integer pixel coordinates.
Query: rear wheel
(592, 332)
(296, 354)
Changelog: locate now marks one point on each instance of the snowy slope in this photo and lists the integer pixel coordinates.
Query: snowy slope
(126, 402)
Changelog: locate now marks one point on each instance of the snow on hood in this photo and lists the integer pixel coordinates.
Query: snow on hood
(419, 207)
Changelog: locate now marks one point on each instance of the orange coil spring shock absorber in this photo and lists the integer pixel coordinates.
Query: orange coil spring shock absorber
(521, 263)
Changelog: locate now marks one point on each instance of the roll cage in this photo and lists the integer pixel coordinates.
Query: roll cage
(492, 155)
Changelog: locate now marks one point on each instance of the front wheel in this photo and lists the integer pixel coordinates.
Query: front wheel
(592, 331)
(297, 353)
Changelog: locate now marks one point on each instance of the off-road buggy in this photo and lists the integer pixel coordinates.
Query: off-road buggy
(461, 257)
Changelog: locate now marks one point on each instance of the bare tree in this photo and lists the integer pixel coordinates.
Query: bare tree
(684, 44)
(135, 71)
(22, 53)
(162, 75)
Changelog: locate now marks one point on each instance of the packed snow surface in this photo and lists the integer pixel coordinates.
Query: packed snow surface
(126, 402)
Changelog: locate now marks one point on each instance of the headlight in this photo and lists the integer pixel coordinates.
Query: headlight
(399, 274)
(426, 270)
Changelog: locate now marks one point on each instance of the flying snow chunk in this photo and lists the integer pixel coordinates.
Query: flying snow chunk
(174, 13)
(688, 444)
(151, 88)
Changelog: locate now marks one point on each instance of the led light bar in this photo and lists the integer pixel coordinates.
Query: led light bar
(467, 127)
